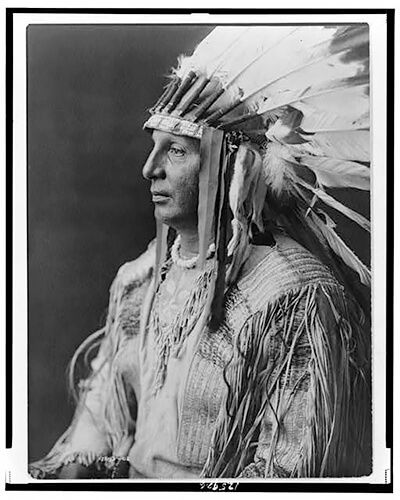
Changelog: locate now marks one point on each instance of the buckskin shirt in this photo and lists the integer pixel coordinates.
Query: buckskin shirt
(265, 395)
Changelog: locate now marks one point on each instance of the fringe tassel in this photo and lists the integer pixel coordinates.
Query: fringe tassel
(260, 382)
(171, 339)
(102, 467)
(48, 468)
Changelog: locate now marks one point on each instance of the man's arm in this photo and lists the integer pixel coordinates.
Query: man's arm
(317, 399)
(102, 424)
(298, 402)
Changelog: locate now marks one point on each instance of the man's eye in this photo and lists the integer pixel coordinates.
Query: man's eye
(176, 151)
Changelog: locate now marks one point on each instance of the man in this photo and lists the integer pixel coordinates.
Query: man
(230, 350)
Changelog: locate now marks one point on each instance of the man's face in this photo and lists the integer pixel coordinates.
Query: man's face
(173, 169)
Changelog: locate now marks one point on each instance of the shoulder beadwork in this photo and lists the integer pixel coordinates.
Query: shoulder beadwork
(285, 267)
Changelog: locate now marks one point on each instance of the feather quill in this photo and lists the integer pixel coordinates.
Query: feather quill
(343, 251)
(332, 202)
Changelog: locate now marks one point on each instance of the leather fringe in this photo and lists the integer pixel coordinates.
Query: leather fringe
(280, 351)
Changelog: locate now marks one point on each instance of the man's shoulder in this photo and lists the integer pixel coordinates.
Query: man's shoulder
(137, 272)
(271, 271)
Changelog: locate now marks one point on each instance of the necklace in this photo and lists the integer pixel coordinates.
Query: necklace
(187, 263)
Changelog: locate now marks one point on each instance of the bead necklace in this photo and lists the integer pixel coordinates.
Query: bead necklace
(187, 263)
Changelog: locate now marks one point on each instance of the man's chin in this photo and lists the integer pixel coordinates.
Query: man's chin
(162, 215)
(170, 219)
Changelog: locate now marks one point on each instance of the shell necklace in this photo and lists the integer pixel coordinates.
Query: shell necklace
(187, 263)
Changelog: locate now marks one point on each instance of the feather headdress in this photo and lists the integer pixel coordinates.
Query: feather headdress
(283, 115)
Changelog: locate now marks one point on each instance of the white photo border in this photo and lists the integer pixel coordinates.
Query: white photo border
(17, 455)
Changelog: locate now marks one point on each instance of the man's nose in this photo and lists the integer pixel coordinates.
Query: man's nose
(153, 168)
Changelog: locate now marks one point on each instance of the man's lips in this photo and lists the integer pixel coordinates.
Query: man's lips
(159, 196)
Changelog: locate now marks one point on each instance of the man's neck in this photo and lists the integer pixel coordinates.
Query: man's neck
(189, 243)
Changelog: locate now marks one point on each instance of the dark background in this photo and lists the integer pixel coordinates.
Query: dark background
(89, 209)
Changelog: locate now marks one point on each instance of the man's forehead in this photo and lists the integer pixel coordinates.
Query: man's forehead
(162, 136)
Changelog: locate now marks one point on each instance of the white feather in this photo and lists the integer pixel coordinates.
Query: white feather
(278, 172)
(353, 145)
(338, 173)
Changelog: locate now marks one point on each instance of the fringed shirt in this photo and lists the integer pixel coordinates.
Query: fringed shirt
(280, 389)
